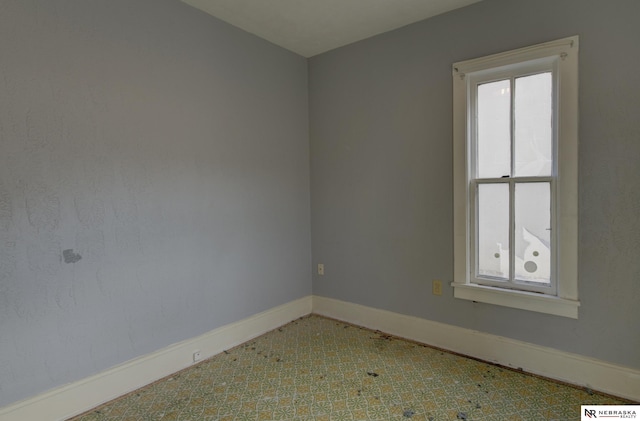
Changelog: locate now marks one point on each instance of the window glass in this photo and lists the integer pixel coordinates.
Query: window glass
(533, 123)
(493, 231)
(494, 129)
(533, 232)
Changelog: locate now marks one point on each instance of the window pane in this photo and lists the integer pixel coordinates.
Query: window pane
(533, 232)
(494, 129)
(533, 125)
(493, 230)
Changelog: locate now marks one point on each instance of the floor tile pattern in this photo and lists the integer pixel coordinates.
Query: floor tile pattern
(321, 369)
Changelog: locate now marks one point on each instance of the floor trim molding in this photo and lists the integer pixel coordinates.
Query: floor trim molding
(75, 398)
(548, 362)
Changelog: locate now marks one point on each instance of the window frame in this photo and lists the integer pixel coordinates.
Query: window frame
(562, 55)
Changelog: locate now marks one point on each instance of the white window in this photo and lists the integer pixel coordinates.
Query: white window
(515, 178)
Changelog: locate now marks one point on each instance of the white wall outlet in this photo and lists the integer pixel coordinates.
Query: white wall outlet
(197, 356)
(320, 269)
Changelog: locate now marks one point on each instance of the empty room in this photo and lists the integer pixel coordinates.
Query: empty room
(319, 209)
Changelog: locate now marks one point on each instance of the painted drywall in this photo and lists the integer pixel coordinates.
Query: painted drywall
(154, 183)
(381, 170)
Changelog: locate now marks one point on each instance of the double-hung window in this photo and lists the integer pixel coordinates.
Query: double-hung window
(515, 178)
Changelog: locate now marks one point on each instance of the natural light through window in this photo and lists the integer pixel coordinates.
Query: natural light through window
(515, 155)
(513, 177)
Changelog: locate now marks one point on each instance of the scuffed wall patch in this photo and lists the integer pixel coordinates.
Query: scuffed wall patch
(71, 257)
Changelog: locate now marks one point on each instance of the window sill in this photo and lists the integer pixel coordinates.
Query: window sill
(517, 299)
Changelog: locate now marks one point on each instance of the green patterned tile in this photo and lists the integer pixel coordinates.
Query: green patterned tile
(320, 369)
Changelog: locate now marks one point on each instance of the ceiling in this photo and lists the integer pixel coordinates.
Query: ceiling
(310, 27)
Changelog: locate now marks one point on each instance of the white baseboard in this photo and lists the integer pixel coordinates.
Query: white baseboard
(548, 362)
(75, 398)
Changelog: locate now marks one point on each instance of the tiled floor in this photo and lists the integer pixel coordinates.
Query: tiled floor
(320, 369)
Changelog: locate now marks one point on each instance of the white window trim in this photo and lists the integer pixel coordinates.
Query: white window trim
(565, 303)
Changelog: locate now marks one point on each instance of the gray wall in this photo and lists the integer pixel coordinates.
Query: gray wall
(167, 149)
(169, 152)
(381, 169)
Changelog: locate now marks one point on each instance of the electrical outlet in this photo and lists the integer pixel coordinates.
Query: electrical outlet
(197, 356)
(320, 269)
(437, 287)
